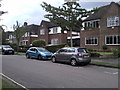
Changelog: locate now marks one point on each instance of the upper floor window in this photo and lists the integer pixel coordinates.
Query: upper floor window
(112, 40)
(54, 30)
(42, 32)
(92, 24)
(113, 21)
(91, 41)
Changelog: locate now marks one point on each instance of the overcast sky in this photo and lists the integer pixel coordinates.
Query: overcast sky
(30, 10)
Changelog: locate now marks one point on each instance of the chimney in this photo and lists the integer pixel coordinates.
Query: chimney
(25, 23)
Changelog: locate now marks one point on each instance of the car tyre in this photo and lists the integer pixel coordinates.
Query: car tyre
(27, 56)
(53, 59)
(39, 57)
(73, 62)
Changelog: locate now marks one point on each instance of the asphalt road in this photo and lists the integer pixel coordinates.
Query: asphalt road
(33, 73)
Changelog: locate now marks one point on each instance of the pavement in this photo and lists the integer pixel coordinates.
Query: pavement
(112, 60)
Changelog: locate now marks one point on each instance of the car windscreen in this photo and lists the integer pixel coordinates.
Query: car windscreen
(42, 50)
(82, 50)
(6, 47)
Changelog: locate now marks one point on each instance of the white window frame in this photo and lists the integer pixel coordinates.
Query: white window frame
(112, 39)
(111, 21)
(54, 41)
(42, 31)
(91, 38)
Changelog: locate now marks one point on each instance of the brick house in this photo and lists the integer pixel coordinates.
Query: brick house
(30, 35)
(52, 35)
(102, 28)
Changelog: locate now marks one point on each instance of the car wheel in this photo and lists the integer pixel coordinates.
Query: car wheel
(39, 57)
(53, 59)
(73, 62)
(3, 53)
(27, 56)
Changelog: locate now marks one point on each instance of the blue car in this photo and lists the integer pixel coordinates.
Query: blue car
(39, 53)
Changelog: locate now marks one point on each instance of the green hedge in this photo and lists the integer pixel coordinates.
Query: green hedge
(54, 48)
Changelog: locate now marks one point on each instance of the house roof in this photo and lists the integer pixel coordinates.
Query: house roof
(31, 28)
(100, 12)
(49, 24)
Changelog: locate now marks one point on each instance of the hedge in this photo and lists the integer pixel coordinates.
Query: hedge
(54, 48)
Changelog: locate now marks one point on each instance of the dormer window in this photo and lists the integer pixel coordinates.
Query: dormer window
(113, 21)
(54, 30)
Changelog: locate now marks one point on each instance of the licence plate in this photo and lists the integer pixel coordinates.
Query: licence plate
(10, 51)
(86, 56)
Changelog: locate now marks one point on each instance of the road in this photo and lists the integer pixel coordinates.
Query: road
(34, 73)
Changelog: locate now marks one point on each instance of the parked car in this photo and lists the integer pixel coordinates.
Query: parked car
(72, 55)
(39, 53)
(6, 49)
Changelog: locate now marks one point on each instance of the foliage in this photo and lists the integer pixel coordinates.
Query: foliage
(18, 33)
(116, 52)
(104, 47)
(54, 48)
(68, 17)
(38, 43)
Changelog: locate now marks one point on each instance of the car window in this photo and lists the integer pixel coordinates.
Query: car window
(42, 49)
(82, 50)
(62, 50)
(70, 50)
(32, 49)
(6, 46)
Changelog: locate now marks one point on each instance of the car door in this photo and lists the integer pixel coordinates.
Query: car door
(32, 52)
(60, 55)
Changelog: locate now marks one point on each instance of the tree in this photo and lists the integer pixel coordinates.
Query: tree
(38, 43)
(18, 33)
(68, 17)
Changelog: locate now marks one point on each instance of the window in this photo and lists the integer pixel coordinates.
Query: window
(55, 30)
(91, 41)
(112, 40)
(92, 24)
(70, 50)
(113, 21)
(54, 41)
(62, 50)
(42, 32)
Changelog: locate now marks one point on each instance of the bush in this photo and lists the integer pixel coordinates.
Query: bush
(116, 52)
(55, 47)
(38, 43)
(104, 47)
(23, 48)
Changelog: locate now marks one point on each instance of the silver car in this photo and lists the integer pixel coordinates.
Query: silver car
(72, 55)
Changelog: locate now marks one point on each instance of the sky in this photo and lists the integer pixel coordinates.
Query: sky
(31, 12)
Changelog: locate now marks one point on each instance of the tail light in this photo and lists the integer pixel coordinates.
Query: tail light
(79, 54)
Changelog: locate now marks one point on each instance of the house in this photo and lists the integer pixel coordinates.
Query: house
(52, 33)
(102, 28)
(30, 35)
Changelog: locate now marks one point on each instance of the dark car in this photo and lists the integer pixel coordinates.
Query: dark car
(72, 55)
(6, 49)
(39, 53)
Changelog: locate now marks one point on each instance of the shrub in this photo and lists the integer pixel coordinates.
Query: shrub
(104, 47)
(54, 48)
(95, 54)
(38, 43)
(116, 52)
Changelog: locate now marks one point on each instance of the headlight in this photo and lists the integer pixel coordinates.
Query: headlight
(43, 54)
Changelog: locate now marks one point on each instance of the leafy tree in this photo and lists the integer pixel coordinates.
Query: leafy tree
(38, 43)
(68, 17)
(18, 33)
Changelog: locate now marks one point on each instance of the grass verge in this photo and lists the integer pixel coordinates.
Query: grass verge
(105, 64)
(5, 84)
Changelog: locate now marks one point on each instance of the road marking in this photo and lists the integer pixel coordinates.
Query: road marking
(14, 81)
